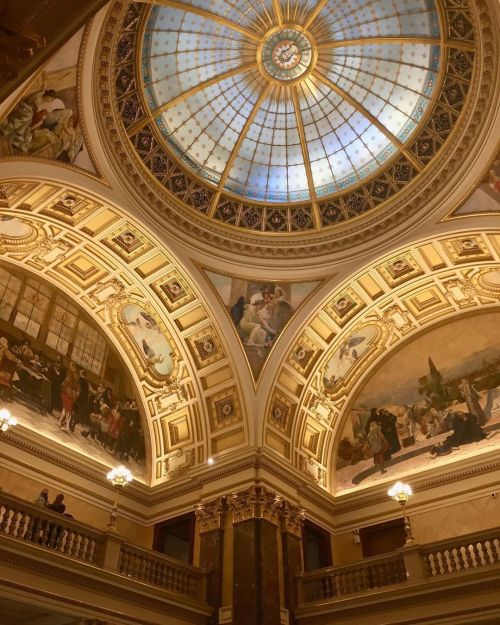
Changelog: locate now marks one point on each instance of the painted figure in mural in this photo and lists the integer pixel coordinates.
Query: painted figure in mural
(8, 367)
(378, 445)
(42, 125)
(237, 311)
(253, 324)
(465, 430)
(388, 425)
(69, 394)
(57, 374)
(346, 355)
(471, 397)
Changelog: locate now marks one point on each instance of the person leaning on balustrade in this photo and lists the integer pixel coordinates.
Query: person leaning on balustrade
(42, 499)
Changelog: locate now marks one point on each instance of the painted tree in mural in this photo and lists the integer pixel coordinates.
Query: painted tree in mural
(432, 387)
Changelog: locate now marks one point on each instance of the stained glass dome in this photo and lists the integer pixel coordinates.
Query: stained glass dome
(282, 101)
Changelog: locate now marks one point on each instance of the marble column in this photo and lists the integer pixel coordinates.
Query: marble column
(210, 517)
(256, 593)
(292, 518)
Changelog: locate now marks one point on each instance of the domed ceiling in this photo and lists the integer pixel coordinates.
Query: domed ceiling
(286, 104)
(287, 117)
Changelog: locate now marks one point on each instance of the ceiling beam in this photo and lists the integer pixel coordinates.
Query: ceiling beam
(363, 41)
(315, 12)
(175, 4)
(278, 13)
(305, 154)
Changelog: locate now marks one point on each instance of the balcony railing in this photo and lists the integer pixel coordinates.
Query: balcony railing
(57, 533)
(414, 563)
(30, 523)
(353, 578)
(462, 554)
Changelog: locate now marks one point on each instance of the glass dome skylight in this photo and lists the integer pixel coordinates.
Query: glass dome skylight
(280, 101)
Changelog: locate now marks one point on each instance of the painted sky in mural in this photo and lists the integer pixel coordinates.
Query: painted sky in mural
(344, 358)
(435, 401)
(259, 311)
(61, 378)
(150, 340)
(46, 123)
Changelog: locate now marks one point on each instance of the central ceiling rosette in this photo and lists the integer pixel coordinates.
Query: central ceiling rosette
(280, 101)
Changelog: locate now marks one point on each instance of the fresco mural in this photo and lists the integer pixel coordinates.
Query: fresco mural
(151, 342)
(343, 359)
(435, 401)
(259, 311)
(60, 376)
(45, 123)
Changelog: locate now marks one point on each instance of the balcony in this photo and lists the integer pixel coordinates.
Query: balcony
(446, 582)
(51, 558)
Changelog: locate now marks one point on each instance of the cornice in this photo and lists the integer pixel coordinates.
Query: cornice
(207, 485)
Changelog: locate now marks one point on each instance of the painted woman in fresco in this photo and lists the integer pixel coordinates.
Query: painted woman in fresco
(69, 393)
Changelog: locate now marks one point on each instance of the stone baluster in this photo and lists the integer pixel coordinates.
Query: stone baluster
(5, 521)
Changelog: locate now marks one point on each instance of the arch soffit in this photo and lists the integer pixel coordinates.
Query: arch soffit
(400, 294)
(78, 244)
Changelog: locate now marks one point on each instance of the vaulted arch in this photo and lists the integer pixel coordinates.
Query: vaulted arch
(112, 267)
(391, 300)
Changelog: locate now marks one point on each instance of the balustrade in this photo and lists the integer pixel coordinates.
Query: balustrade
(462, 553)
(29, 523)
(346, 580)
(158, 570)
(41, 527)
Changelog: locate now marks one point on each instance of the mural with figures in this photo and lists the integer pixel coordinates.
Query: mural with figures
(435, 401)
(46, 122)
(344, 358)
(60, 376)
(149, 339)
(259, 311)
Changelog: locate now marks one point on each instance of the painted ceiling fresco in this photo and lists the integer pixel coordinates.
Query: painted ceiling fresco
(47, 121)
(59, 374)
(259, 311)
(435, 401)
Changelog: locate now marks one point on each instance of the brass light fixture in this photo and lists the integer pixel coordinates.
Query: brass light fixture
(401, 493)
(118, 478)
(7, 421)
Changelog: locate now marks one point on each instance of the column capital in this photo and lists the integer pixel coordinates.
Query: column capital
(292, 518)
(210, 515)
(256, 502)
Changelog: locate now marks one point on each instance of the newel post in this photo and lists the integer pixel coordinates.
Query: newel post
(414, 563)
(109, 558)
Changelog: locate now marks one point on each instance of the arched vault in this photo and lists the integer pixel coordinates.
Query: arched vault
(399, 295)
(105, 260)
